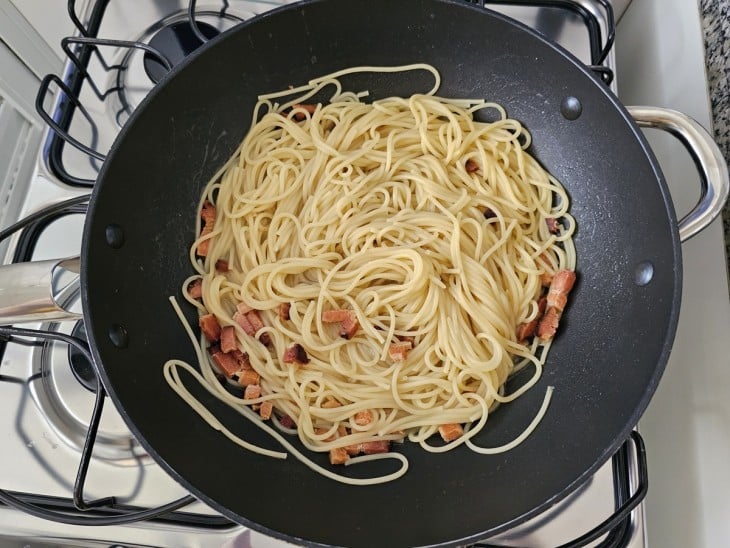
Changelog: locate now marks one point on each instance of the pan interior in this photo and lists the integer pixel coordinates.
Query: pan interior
(604, 365)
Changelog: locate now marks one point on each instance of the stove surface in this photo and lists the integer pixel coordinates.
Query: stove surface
(49, 406)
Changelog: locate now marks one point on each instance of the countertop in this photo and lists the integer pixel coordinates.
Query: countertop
(716, 27)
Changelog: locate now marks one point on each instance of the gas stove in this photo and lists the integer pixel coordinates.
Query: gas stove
(48, 388)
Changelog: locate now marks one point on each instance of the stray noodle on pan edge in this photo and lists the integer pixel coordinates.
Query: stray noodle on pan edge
(367, 273)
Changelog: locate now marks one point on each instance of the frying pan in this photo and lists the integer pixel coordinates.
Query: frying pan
(605, 363)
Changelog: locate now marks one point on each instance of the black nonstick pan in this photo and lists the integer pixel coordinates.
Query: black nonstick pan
(615, 338)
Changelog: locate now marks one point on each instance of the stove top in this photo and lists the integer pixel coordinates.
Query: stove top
(47, 389)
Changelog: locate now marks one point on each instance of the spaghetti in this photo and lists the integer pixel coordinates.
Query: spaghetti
(378, 267)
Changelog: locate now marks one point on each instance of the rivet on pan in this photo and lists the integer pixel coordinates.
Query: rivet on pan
(118, 336)
(644, 273)
(571, 108)
(114, 235)
(313, 59)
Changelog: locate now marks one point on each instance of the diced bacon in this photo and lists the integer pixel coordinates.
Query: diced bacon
(450, 432)
(527, 330)
(347, 318)
(252, 392)
(284, 309)
(354, 449)
(228, 339)
(221, 265)
(548, 325)
(299, 116)
(226, 362)
(557, 299)
(374, 447)
(295, 354)
(210, 327)
(553, 225)
(203, 246)
(241, 359)
(338, 455)
(471, 166)
(195, 289)
(331, 404)
(546, 278)
(287, 422)
(399, 351)
(368, 447)
(265, 410)
(334, 316)
(560, 287)
(258, 324)
(243, 308)
(248, 376)
(363, 418)
(242, 320)
(208, 213)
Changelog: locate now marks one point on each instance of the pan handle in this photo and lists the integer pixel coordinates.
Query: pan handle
(29, 291)
(708, 158)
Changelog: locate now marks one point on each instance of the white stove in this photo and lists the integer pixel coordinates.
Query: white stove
(46, 393)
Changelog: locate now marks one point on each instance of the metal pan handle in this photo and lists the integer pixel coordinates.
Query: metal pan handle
(708, 158)
(29, 291)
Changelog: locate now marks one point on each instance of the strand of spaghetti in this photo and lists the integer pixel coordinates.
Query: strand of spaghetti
(525, 433)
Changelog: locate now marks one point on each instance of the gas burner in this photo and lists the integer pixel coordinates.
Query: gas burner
(64, 390)
(175, 42)
(174, 38)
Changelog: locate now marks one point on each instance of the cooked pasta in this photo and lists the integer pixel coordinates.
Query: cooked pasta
(372, 273)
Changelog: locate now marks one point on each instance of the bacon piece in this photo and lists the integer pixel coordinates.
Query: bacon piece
(284, 309)
(258, 324)
(450, 432)
(557, 299)
(287, 422)
(347, 318)
(208, 213)
(374, 447)
(399, 351)
(210, 327)
(548, 325)
(331, 404)
(247, 377)
(241, 359)
(560, 287)
(228, 339)
(243, 308)
(338, 455)
(471, 166)
(354, 449)
(363, 418)
(265, 410)
(221, 265)
(243, 321)
(252, 392)
(527, 330)
(295, 354)
(334, 316)
(489, 213)
(195, 289)
(553, 225)
(299, 116)
(227, 362)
